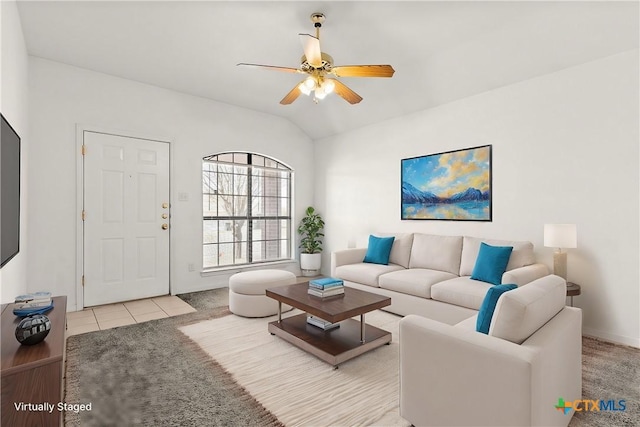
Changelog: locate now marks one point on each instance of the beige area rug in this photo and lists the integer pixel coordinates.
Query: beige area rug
(298, 388)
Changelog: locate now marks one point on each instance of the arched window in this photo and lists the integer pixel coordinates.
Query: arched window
(246, 210)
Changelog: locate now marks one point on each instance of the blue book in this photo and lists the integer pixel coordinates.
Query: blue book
(326, 287)
(326, 281)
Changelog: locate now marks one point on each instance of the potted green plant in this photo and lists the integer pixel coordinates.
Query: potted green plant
(310, 230)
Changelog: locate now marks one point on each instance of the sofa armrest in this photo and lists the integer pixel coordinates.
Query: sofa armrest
(347, 256)
(523, 275)
(442, 366)
(558, 367)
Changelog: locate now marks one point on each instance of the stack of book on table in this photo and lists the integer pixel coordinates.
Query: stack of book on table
(326, 287)
(35, 303)
(321, 323)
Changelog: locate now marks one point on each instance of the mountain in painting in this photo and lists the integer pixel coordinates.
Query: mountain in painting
(468, 195)
(411, 194)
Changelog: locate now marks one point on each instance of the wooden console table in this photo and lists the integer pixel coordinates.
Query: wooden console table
(32, 374)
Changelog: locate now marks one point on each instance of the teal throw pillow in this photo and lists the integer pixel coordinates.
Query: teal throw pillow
(491, 263)
(489, 305)
(379, 250)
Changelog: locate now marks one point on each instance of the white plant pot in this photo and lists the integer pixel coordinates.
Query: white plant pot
(310, 264)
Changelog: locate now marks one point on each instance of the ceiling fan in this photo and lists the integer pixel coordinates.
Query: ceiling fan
(321, 71)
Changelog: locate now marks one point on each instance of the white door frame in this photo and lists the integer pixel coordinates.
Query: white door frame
(80, 130)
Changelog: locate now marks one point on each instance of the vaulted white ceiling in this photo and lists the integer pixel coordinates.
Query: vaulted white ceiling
(441, 51)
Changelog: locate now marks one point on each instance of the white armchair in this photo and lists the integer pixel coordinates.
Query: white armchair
(453, 375)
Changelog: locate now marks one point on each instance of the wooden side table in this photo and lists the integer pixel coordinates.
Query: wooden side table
(572, 291)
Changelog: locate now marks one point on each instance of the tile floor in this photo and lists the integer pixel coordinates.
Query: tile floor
(127, 313)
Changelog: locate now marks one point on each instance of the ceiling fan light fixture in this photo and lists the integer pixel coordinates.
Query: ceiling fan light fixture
(304, 89)
(327, 86)
(310, 83)
(320, 94)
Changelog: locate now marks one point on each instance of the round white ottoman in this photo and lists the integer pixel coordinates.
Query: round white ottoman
(247, 292)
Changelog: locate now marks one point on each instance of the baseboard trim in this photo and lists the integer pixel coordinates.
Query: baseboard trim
(613, 338)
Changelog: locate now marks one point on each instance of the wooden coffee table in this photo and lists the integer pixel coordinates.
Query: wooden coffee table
(337, 345)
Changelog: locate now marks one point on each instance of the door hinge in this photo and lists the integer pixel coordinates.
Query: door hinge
(83, 149)
(83, 280)
(84, 214)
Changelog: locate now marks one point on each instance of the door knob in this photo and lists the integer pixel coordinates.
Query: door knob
(165, 216)
(165, 226)
(165, 205)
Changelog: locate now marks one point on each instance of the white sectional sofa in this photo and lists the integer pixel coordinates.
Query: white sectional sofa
(512, 376)
(452, 375)
(429, 275)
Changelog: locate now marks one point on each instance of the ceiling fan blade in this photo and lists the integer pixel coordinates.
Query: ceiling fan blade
(363, 71)
(347, 94)
(273, 67)
(311, 47)
(292, 95)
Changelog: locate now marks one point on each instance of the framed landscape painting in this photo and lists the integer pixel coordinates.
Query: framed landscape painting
(455, 185)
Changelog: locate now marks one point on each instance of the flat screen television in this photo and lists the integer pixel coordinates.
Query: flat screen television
(9, 192)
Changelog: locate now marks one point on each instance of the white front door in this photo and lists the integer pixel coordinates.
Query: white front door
(126, 218)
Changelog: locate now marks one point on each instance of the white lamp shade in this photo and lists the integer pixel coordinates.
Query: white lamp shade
(560, 236)
(328, 86)
(310, 83)
(304, 88)
(320, 93)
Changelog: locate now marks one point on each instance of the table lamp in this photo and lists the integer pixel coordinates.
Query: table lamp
(560, 236)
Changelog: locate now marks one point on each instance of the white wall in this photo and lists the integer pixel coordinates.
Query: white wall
(13, 105)
(63, 96)
(565, 150)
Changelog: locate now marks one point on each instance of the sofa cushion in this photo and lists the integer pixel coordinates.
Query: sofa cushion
(379, 250)
(468, 324)
(415, 281)
(521, 255)
(364, 273)
(401, 250)
(436, 252)
(462, 291)
(523, 311)
(491, 263)
(489, 305)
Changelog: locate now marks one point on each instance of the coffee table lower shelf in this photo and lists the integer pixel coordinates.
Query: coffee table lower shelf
(334, 346)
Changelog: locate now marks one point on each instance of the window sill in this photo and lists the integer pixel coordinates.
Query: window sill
(237, 268)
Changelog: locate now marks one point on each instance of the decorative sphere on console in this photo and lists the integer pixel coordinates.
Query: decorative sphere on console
(33, 329)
